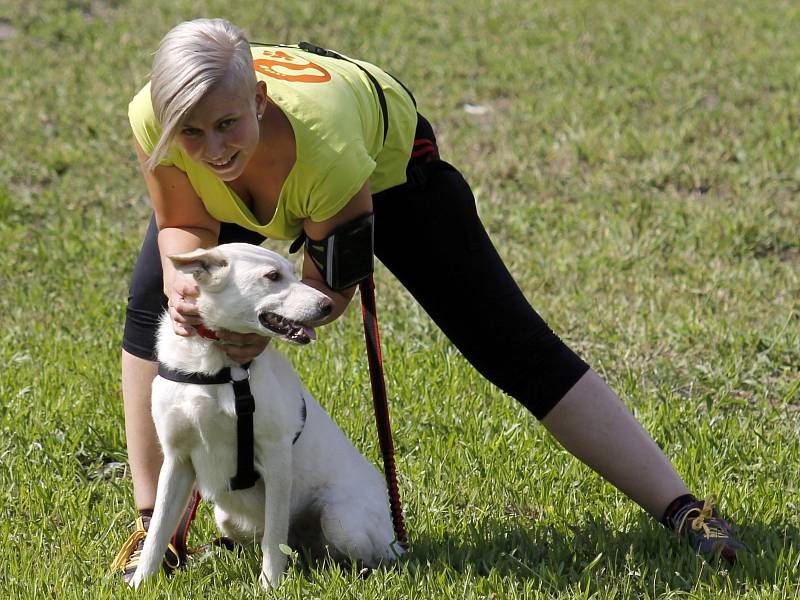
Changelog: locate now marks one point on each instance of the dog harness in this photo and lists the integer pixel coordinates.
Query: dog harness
(246, 475)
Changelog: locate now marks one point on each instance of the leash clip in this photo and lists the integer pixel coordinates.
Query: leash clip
(318, 50)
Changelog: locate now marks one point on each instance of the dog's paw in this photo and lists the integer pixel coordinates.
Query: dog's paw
(140, 575)
(273, 565)
(270, 581)
(137, 579)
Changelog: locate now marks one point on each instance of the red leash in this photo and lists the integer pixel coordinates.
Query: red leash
(182, 531)
(370, 317)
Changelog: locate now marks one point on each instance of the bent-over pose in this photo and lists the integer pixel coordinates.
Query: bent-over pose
(242, 142)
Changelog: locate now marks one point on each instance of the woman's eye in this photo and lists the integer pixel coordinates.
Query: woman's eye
(190, 132)
(227, 124)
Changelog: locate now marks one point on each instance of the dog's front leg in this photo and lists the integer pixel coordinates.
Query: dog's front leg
(277, 474)
(174, 484)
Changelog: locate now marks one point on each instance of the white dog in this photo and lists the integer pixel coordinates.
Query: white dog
(317, 490)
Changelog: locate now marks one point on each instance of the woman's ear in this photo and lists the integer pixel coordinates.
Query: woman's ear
(261, 98)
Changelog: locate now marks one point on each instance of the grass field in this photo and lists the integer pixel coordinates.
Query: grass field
(635, 163)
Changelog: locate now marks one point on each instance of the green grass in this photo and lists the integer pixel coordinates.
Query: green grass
(638, 170)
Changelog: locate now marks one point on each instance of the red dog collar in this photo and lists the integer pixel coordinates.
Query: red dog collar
(205, 332)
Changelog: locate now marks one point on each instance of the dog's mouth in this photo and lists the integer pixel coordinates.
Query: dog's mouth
(286, 329)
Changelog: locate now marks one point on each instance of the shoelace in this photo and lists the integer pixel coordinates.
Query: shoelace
(129, 554)
(705, 520)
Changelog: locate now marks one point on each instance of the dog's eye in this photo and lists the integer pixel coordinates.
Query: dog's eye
(273, 275)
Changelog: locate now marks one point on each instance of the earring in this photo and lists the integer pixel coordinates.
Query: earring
(258, 117)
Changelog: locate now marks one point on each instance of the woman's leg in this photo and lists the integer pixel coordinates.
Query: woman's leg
(429, 235)
(596, 427)
(144, 452)
(139, 367)
(431, 239)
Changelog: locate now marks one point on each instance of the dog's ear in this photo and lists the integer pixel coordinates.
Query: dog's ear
(209, 267)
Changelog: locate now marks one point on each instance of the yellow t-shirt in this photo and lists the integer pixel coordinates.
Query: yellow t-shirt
(338, 129)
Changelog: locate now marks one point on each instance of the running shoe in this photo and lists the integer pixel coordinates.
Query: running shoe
(127, 558)
(708, 534)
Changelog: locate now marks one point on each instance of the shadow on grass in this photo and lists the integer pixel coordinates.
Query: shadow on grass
(646, 558)
(647, 554)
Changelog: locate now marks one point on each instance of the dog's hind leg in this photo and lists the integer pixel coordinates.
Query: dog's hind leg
(174, 484)
(358, 533)
(230, 527)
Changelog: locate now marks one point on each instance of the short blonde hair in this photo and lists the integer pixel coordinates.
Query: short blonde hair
(192, 58)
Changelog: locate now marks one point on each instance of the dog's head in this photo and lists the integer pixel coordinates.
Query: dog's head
(249, 289)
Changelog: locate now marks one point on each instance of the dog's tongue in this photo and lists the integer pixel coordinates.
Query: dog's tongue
(309, 331)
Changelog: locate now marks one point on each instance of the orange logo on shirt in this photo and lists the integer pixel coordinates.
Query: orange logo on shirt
(280, 65)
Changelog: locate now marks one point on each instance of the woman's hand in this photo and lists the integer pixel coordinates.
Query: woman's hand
(181, 297)
(241, 347)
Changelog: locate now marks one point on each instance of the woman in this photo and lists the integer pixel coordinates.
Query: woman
(238, 143)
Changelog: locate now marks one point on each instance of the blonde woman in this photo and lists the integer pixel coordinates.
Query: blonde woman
(241, 142)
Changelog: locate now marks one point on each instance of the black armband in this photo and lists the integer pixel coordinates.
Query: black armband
(345, 257)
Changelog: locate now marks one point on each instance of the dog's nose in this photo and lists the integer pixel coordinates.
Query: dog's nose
(325, 306)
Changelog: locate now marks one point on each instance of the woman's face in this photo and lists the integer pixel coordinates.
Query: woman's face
(222, 131)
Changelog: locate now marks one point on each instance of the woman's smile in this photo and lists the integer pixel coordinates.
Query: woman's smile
(222, 165)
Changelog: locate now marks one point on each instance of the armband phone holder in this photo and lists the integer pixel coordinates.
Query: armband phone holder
(345, 257)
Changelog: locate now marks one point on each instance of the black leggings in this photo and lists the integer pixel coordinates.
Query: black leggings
(429, 235)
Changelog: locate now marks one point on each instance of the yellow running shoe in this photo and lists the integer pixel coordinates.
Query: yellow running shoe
(127, 558)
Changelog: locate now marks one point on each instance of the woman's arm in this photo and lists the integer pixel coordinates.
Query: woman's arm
(359, 205)
(184, 225)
